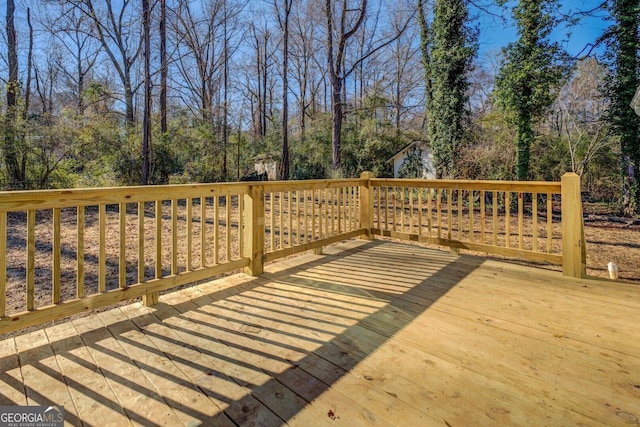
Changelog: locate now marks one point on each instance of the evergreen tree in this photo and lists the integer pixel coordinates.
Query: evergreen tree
(452, 50)
(532, 67)
(623, 46)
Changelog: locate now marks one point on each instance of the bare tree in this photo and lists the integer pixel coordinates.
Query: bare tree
(116, 28)
(579, 114)
(146, 119)
(283, 13)
(164, 66)
(309, 70)
(259, 80)
(15, 165)
(27, 85)
(343, 20)
(69, 29)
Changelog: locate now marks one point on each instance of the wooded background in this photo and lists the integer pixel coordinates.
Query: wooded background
(121, 92)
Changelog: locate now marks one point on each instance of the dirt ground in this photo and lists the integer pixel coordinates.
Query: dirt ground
(613, 241)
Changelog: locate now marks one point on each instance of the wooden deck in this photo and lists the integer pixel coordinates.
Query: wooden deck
(369, 334)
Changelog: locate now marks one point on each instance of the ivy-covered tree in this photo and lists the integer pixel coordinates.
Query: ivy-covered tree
(623, 48)
(453, 46)
(531, 68)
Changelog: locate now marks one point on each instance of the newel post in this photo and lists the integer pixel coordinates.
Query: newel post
(366, 205)
(573, 243)
(253, 223)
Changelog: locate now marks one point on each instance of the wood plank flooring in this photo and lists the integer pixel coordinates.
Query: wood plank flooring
(368, 334)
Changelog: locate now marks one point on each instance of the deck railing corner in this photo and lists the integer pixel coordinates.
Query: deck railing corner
(573, 242)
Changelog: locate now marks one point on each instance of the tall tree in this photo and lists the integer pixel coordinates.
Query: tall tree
(452, 51)
(15, 169)
(78, 53)
(146, 117)
(579, 114)
(309, 68)
(164, 67)
(343, 20)
(425, 51)
(119, 36)
(348, 19)
(532, 67)
(623, 49)
(284, 12)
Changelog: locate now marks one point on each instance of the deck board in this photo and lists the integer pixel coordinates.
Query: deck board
(372, 333)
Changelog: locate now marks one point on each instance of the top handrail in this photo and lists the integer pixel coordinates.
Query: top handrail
(11, 201)
(526, 186)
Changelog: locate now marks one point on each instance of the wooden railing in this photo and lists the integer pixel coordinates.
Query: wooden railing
(67, 251)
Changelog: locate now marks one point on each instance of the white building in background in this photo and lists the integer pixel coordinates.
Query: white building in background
(426, 155)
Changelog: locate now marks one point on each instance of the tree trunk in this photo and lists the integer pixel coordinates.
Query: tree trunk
(524, 140)
(13, 88)
(336, 108)
(146, 120)
(284, 161)
(225, 106)
(163, 67)
(27, 86)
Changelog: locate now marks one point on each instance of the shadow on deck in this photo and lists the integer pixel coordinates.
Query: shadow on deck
(371, 333)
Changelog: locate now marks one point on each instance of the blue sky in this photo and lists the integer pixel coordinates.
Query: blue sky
(495, 34)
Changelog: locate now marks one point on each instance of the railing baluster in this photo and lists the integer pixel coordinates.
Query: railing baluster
(549, 223)
(339, 208)
(355, 218)
(31, 258)
(483, 217)
(290, 227)
(272, 222)
(439, 213)
(348, 220)
(402, 206)
(189, 219)
(313, 215)
(102, 259)
(507, 218)
(79, 253)
(216, 230)
(174, 237)
(460, 214)
(3, 264)
(494, 213)
(158, 218)
(298, 217)
(386, 208)
(305, 214)
(228, 227)
(281, 218)
(56, 256)
(472, 225)
(520, 220)
(449, 213)
(203, 232)
(321, 207)
(241, 224)
(534, 220)
(122, 254)
(395, 208)
(429, 214)
(411, 210)
(420, 211)
(141, 262)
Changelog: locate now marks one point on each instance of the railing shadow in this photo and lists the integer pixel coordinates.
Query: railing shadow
(263, 349)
